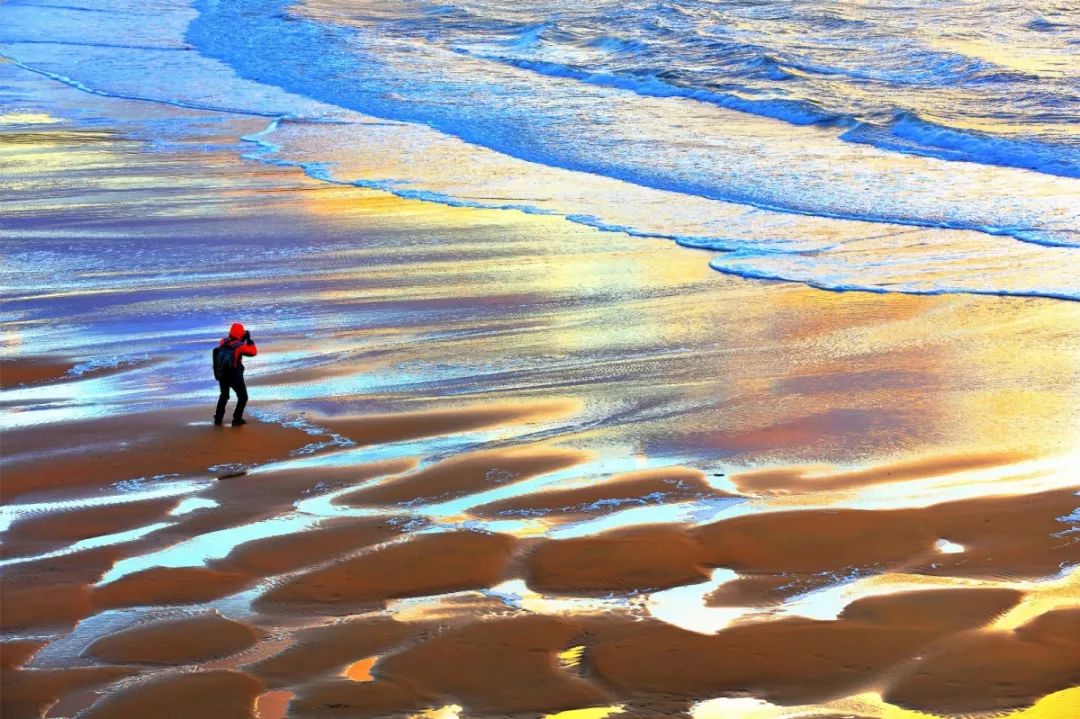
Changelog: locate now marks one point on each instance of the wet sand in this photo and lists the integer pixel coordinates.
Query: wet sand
(503, 466)
(177, 642)
(132, 446)
(428, 565)
(671, 484)
(17, 371)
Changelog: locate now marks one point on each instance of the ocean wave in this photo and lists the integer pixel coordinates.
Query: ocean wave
(793, 111)
(529, 37)
(906, 133)
(756, 266)
(1042, 24)
(910, 133)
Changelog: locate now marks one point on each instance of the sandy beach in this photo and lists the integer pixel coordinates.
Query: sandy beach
(498, 464)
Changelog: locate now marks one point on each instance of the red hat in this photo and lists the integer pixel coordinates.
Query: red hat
(236, 331)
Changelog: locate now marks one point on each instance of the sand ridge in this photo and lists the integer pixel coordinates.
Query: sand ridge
(668, 484)
(795, 479)
(133, 446)
(621, 561)
(429, 564)
(220, 693)
(402, 426)
(285, 553)
(174, 642)
(16, 371)
(466, 474)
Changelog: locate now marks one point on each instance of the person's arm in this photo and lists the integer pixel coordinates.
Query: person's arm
(248, 348)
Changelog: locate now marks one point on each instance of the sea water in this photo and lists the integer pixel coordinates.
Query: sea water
(922, 148)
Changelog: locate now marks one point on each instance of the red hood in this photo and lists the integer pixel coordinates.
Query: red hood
(236, 331)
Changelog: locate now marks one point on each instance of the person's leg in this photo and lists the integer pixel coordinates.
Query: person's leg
(223, 398)
(241, 397)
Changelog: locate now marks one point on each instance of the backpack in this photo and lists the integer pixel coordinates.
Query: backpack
(224, 361)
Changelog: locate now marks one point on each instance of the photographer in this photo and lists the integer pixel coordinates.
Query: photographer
(229, 371)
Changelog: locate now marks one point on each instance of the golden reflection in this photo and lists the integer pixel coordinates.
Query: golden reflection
(51, 163)
(1020, 56)
(444, 607)
(360, 671)
(450, 711)
(813, 479)
(591, 713)
(273, 705)
(27, 118)
(1059, 705)
(518, 594)
(571, 658)
(1042, 597)
(904, 491)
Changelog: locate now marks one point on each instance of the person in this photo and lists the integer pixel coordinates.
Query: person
(229, 371)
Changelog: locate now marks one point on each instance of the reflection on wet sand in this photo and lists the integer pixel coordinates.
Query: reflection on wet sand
(797, 480)
(504, 466)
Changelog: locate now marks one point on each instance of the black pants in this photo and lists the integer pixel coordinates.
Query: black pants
(236, 383)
